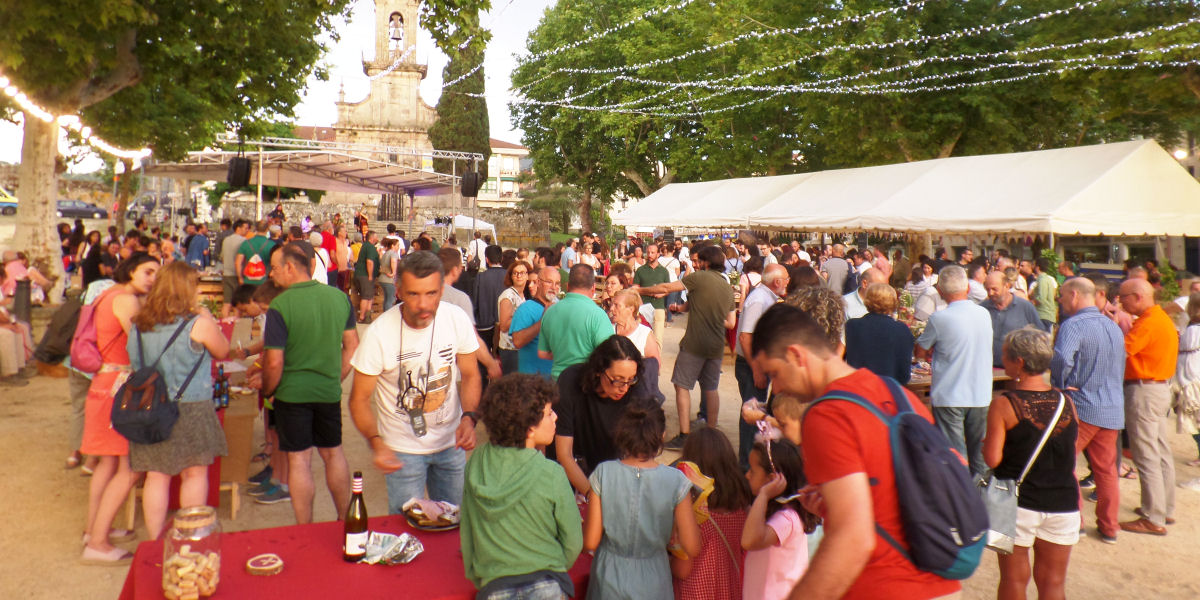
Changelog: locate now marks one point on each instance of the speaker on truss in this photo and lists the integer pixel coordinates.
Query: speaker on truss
(471, 182)
(239, 171)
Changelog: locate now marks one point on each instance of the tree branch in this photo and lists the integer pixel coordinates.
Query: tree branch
(127, 72)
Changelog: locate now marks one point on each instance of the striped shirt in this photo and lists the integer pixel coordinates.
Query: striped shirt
(1089, 356)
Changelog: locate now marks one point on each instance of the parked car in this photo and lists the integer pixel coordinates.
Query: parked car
(81, 209)
(8, 203)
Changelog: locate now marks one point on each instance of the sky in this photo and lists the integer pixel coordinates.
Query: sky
(509, 20)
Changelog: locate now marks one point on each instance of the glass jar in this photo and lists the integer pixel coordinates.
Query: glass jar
(192, 554)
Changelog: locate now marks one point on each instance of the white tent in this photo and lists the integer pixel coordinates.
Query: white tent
(715, 204)
(464, 223)
(1126, 188)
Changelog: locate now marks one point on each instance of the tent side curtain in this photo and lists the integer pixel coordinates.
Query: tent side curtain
(1125, 188)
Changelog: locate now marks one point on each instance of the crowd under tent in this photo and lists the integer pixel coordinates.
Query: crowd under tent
(1120, 189)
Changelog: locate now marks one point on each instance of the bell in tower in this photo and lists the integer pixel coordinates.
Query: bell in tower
(395, 33)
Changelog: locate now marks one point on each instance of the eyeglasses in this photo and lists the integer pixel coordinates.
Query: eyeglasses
(621, 383)
(521, 273)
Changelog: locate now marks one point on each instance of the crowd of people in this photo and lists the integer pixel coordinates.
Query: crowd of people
(558, 352)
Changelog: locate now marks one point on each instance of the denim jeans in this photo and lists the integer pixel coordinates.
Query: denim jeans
(546, 589)
(745, 380)
(673, 298)
(441, 473)
(389, 294)
(965, 427)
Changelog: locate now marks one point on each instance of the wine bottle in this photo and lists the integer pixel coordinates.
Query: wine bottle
(217, 387)
(224, 386)
(355, 547)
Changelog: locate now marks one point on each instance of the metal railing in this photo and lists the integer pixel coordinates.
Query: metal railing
(284, 142)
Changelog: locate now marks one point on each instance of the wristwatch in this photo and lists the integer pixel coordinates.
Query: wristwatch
(474, 416)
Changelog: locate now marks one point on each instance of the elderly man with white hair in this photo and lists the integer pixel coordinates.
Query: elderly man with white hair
(959, 340)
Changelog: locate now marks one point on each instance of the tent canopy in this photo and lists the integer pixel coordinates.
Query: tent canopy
(318, 169)
(1126, 188)
(464, 222)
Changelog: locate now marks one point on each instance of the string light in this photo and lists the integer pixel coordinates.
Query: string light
(71, 122)
(395, 64)
(815, 85)
(595, 36)
(950, 35)
(756, 35)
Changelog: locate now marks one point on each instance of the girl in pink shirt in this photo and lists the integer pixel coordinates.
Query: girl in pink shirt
(774, 535)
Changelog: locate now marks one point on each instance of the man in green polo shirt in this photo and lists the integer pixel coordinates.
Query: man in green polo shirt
(366, 271)
(575, 325)
(308, 340)
(652, 274)
(253, 260)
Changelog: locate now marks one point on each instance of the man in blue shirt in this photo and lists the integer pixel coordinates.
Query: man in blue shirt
(527, 324)
(1088, 365)
(197, 248)
(959, 339)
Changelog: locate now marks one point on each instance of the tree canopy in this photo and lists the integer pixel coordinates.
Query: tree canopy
(760, 87)
(161, 73)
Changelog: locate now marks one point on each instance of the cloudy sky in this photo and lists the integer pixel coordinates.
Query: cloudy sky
(509, 20)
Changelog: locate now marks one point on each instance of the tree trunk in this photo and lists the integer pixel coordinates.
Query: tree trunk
(37, 189)
(585, 211)
(124, 191)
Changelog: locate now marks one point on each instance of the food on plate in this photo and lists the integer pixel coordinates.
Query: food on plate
(428, 513)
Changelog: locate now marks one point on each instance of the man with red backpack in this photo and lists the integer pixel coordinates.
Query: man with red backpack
(254, 256)
(859, 476)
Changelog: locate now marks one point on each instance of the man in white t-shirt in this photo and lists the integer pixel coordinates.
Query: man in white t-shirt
(405, 400)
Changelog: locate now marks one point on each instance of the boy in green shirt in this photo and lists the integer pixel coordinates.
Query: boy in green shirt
(521, 530)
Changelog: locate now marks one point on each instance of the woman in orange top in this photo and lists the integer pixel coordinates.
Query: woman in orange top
(112, 478)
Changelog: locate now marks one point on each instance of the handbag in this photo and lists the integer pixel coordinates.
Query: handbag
(142, 411)
(1000, 495)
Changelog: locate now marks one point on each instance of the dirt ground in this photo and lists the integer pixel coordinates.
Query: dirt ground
(44, 508)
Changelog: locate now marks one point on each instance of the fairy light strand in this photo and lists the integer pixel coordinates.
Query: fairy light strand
(70, 122)
(755, 35)
(950, 35)
(654, 12)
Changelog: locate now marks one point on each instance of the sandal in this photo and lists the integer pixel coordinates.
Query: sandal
(114, 535)
(74, 460)
(112, 558)
(85, 471)
(1127, 472)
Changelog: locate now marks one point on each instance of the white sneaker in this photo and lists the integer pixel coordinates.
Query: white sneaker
(1193, 485)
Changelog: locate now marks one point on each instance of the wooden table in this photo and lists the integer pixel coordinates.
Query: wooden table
(920, 384)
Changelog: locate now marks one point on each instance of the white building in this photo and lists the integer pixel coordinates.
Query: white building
(502, 190)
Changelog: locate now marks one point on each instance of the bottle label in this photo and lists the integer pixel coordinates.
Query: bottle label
(356, 543)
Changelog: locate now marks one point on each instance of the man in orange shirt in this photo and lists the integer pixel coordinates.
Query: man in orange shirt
(1151, 347)
(848, 460)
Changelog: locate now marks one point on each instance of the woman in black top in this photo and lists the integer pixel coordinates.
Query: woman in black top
(1048, 501)
(92, 258)
(878, 342)
(591, 398)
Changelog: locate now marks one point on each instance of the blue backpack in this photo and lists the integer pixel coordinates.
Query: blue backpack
(945, 521)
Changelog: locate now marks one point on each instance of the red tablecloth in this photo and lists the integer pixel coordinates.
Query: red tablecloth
(313, 566)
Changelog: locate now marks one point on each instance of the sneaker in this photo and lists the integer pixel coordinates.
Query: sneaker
(1092, 497)
(676, 443)
(261, 476)
(1087, 482)
(1108, 539)
(1191, 484)
(699, 422)
(262, 488)
(275, 496)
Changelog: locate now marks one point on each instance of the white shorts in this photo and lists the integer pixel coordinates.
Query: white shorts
(1056, 528)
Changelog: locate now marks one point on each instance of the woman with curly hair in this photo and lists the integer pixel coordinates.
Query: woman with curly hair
(826, 307)
(521, 529)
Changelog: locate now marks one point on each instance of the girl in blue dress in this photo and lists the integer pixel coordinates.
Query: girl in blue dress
(634, 507)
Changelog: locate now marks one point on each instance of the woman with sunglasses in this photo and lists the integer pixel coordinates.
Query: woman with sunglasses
(516, 286)
(592, 398)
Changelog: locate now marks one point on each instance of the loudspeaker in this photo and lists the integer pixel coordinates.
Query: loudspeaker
(239, 172)
(471, 182)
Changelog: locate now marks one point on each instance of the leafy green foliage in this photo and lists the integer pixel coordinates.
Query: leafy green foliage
(462, 123)
(629, 148)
